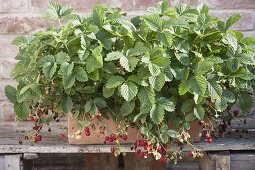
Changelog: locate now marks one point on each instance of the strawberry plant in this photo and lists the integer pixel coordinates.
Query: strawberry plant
(171, 66)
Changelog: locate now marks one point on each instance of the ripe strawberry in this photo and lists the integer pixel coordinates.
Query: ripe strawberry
(38, 138)
(61, 135)
(98, 116)
(131, 148)
(160, 149)
(110, 139)
(137, 150)
(106, 139)
(113, 149)
(162, 160)
(124, 137)
(31, 118)
(114, 136)
(190, 154)
(87, 133)
(86, 129)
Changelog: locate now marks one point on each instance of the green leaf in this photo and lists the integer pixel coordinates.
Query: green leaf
(157, 113)
(202, 84)
(20, 40)
(80, 74)
(128, 91)
(88, 106)
(190, 117)
(184, 87)
(203, 67)
(66, 68)
(113, 56)
(114, 82)
(22, 110)
(66, 103)
(246, 102)
(229, 96)
(62, 57)
(154, 22)
(127, 107)
(221, 104)
(230, 40)
(157, 82)
(232, 20)
(68, 81)
(129, 63)
(108, 92)
(11, 93)
(100, 102)
(199, 112)
(214, 89)
(246, 59)
(168, 105)
(232, 64)
(244, 74)
(187, 106)
(183, 58)
(248, 40)
(203, 9)
(138, 50)
(146, 95)
(49, 70)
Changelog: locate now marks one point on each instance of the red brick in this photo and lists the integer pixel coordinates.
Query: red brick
(77, 4)
(9, 51)
(189, 2)
(14, 5)
(229, 4)
(247, 22)
(7, 111)
(21, 24)
(6, 67)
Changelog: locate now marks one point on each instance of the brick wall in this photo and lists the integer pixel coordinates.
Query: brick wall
(24, 17)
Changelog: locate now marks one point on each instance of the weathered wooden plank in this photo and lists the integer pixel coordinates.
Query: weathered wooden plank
(222, 162)
(242, 161)
(2, 162)
(133, 162)
(104, 161)
(13, 162)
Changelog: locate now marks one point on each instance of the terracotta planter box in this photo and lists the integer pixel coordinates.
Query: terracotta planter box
(95, 136)
(133, 134)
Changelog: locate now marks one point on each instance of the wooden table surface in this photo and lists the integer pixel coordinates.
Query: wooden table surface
(11, 134)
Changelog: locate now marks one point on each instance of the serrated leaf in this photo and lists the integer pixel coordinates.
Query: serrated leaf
(187, 106)
(114, 82)
(138, 50)
(199, 112)
(80, 74)
(154, 69)
(49, 70)
(157, 82)
(221, 104)
(248, 40)
(244, 74)
(232, 20)
(129, 63)
(246, 102)
(62, 57)
(183, 58)
(203, 67)
(88, 106)
(184, 87)
(20, 40)
(108, 92)
(146, 95)
(229, 96)
(100, 102)
(11, 93)
(127, 107)
(154, 22)
(168, 105)
(230, 40)
(128, 91)
(232, 64)
(114, 56)
(66, 103)
(22, 110)
(68, 81)
(246, 59)
(157, 113)
(214, 89)
(202, 83)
